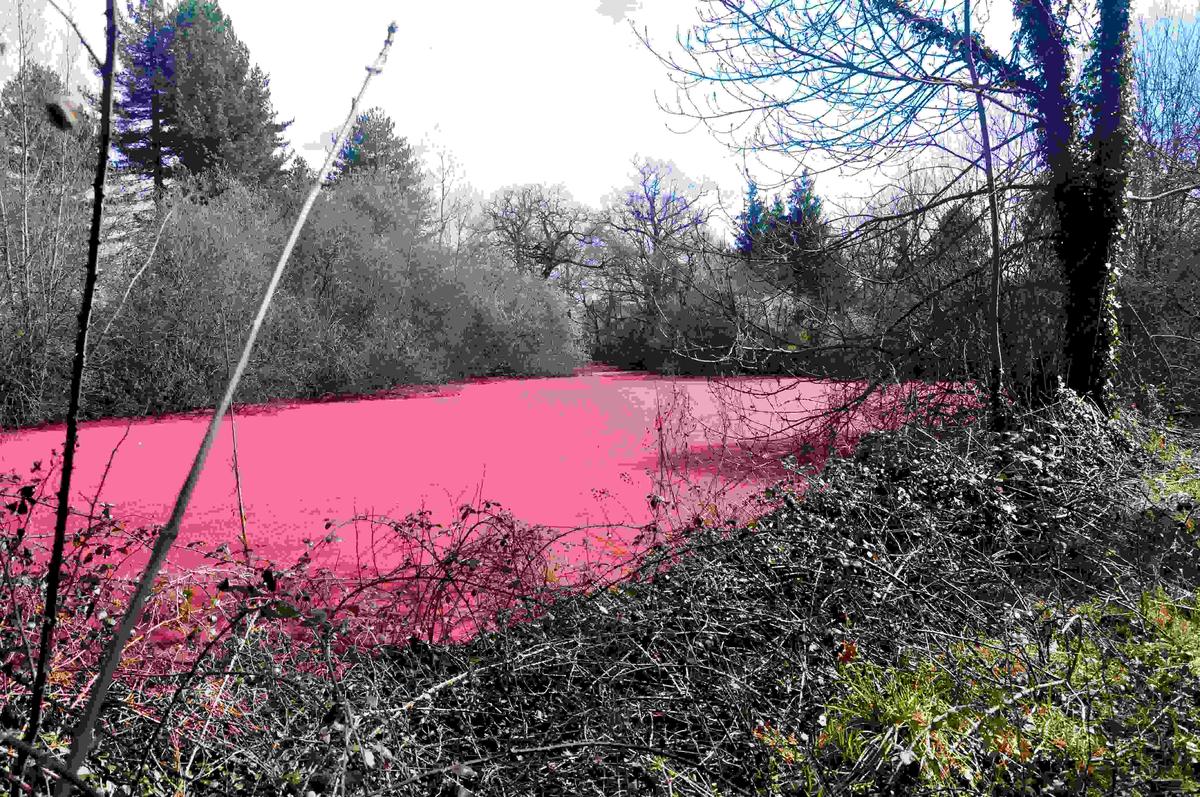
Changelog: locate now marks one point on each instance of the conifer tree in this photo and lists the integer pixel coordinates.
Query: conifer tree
(785, 241)
(373, 144)
(189, 100)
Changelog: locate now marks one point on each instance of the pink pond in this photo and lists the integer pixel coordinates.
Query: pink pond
(597, 457)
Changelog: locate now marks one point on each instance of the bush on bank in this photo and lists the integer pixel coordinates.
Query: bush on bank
(367, 303)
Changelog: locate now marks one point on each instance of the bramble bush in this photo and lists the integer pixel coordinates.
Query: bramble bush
(225, 652)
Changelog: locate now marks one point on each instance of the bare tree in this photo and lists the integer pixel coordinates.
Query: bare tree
(542, 229)
(79, 363)
(43, 177)
(867, 82)
(1160, 288)
(453, 201)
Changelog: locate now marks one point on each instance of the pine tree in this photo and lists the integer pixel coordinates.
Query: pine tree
(373, 144)
(189, 100)
(751, 223)
(773, 231)
(141, 126)
(785, 242)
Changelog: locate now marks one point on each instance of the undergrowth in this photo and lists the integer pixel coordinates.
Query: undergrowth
(940, 612)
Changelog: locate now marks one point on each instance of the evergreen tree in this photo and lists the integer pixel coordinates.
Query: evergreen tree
(751, 223)
(772, 232)
(141, 126)
(373, 144)
(786, 240)
(189, 99)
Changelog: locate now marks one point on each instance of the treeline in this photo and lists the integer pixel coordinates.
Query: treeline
(401, 276)
(200, 206)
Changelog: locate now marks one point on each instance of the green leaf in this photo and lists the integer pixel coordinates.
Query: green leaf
(279, 609)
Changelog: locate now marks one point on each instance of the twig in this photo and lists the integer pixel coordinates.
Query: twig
(1164, 194)
(49, 762)
(187, 771)
(237, 473)
(82, 738)
(549, 748)
(112, 455)
(146, 265)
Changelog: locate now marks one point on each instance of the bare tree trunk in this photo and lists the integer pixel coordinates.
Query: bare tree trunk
(1088, 196)
(996, 380)
(82, 737)
(54, 570)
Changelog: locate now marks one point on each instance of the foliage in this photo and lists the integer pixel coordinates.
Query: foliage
(190, 101)
(788, 243)
(43, 191)
(878, 632)
(1017, 712)
(793, 222)
(1158, 287)
(166, 350)
(1178, 484)
(373, 144)
(367, 304)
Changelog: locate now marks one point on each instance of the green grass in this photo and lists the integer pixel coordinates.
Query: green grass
(1070, 699)
(1178, 476)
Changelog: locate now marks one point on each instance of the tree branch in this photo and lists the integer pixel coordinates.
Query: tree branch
(1164, 194)
(95, 59)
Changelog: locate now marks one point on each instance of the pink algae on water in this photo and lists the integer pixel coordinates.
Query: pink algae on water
(601, 463)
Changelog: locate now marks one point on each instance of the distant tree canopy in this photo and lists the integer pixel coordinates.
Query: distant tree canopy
(762, 228)
(188, 99)
(785, 241)
(543, 231)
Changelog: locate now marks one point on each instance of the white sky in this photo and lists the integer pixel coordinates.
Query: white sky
(529, 91)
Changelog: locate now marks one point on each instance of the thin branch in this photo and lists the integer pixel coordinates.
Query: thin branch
(146, 265)
(49, 762)
(1164, 194)
(96, 60)
(54, 568)
(549, 748)
(237, 473)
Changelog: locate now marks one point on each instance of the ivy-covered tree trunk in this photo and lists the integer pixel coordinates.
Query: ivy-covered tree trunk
(1088, 181)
